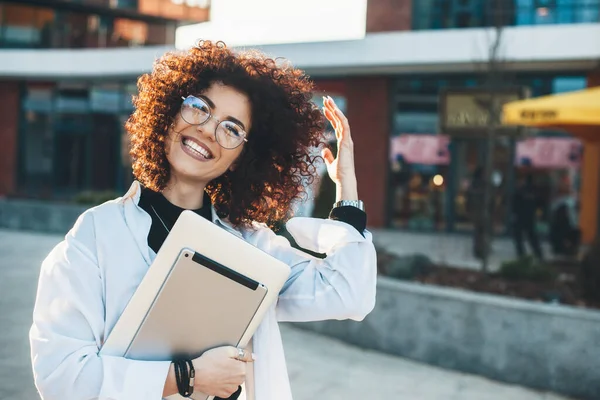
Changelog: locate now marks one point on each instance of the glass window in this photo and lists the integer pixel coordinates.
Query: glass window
(36, 141)
(106, 97)
(418, 172)
(130, 4)
(524, 12)
(26, 26)
(71, 30)
(158, 34)
(19, 25)
(588, 11)
(418, 157)
(37, 146)
(446, 14)
(422, 15)
(568, 84)
(127, 32)
(72, 98)
(38, 98)
(130, 91)
(72, 127)
(71, 166)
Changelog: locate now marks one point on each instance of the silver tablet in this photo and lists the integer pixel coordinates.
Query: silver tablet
(201, 305)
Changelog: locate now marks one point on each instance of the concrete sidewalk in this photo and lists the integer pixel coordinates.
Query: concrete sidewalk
(319, 367)
(324, 368)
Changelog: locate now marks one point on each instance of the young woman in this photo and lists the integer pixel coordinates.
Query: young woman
(227, 135)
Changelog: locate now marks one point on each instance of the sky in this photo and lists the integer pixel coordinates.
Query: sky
(254, 22)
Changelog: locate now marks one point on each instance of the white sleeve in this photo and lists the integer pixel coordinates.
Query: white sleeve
(341, 286)
(68, 330)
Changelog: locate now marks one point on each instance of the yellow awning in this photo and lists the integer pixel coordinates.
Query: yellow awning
(561, 110)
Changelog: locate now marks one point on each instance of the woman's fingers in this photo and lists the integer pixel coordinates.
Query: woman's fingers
(337, 118)
(330, 113)
(327, 156)
(330, 117)
(241, 354)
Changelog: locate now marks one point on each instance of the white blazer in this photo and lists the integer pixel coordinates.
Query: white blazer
(87, 280)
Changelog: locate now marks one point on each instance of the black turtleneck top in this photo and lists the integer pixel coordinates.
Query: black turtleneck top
(164, 214)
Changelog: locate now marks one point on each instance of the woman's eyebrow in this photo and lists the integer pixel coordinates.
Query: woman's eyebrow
(229, 117)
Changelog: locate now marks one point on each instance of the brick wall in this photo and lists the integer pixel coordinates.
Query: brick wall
(389, 15)
(368, 113)
(9, 119)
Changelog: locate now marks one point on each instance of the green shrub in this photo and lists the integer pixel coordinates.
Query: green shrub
(527, 268)
(406, 267)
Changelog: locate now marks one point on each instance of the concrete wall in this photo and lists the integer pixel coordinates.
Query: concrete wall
(38, 215)
(369, 118)
(543, 346)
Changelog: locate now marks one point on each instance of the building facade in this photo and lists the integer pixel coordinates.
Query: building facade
(70, 104)
(63, 120)
(413, 51)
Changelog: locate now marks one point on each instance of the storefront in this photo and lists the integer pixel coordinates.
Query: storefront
(578, 113)
(432, 175)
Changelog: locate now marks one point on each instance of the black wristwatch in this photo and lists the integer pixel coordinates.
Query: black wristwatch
(353, 203)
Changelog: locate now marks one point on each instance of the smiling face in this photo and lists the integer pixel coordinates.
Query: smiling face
(192, 150)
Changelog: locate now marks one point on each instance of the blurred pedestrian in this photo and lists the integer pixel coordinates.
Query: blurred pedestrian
(524, 218)
(565, 234)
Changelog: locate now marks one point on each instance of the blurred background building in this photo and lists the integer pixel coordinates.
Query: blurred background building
(64, 107)
(66, 87)
(412, 52)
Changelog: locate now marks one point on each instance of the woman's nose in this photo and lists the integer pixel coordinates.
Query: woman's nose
(209, 128)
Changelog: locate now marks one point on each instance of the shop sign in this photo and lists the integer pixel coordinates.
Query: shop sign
(421, 149)
(559, 153)
(468, 111)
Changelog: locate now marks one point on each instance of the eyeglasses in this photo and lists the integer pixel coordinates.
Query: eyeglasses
(196, 111)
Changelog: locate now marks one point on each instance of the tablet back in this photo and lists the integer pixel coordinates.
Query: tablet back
(201, 305)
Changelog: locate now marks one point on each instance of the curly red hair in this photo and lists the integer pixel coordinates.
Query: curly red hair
(275, 163)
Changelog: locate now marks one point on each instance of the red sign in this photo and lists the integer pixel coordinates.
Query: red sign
(421, 149)
(549, 153)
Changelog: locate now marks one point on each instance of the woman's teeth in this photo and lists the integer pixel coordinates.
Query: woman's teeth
(195, 147)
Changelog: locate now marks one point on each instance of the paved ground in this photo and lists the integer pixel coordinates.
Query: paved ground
(320, 368)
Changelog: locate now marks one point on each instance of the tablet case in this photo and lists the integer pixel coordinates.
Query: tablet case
(201, 236)
(201, 305)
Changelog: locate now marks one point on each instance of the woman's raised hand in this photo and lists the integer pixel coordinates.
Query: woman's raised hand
(341, 169)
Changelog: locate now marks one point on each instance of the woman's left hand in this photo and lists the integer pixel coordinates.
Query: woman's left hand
(340, 169)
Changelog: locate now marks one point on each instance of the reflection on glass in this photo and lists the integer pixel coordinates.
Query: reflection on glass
(25, 26)
(37, 149)
(72, 140)
(106, 97)
(418, 193)
(447, 14)
(71, 137)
